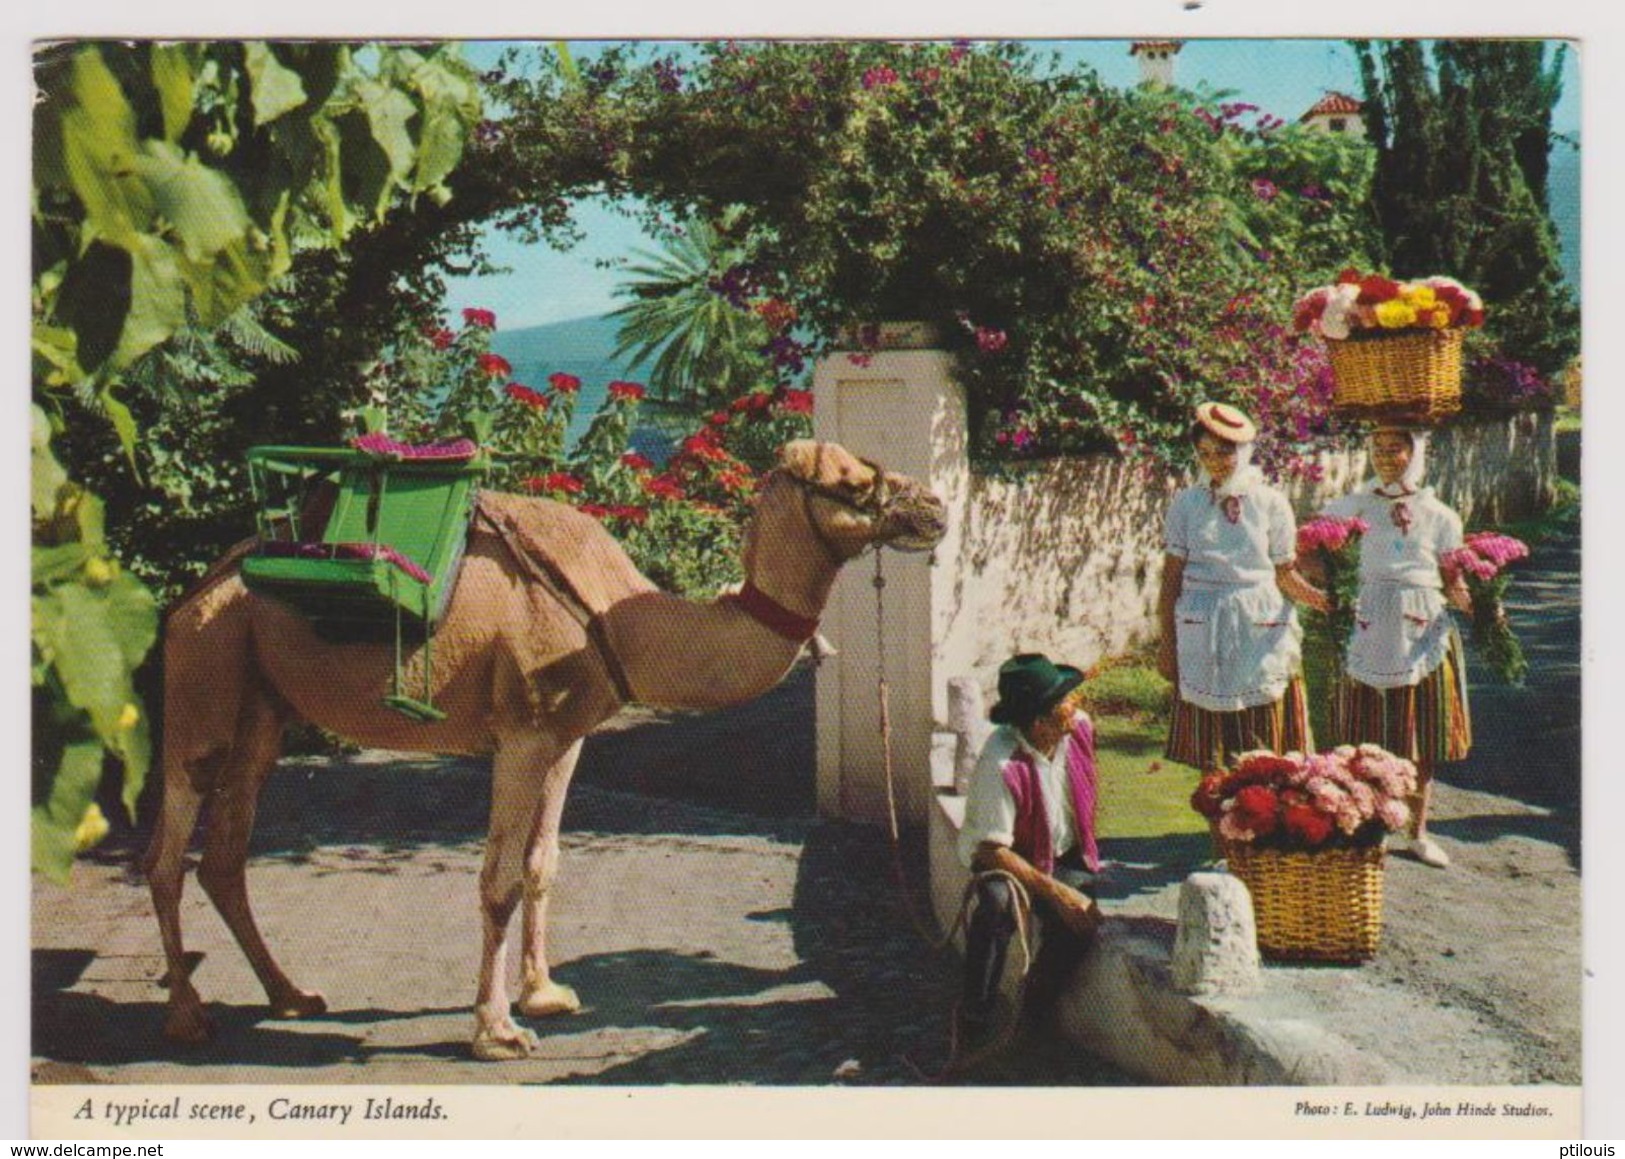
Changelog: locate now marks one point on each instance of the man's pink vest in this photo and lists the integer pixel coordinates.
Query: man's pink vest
(1032, 839)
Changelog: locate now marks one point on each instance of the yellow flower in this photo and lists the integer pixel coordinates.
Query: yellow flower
(129, 718)
(1422, 297)
(1395, 315)
(92, 828)
(98, 572)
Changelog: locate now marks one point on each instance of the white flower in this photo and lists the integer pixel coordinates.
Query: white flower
(1334, 321)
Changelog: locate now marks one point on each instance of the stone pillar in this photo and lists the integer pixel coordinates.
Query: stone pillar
(902, 408)
(1216, 945)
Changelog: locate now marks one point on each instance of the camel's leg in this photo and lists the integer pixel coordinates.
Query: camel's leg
(522, 772)
(165, 867)
(539, 995)
(231, 824)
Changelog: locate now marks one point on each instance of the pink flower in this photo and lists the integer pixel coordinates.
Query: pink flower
(1329, 533)
(1498, 549)
(879, 77)
(564, 383)
(991, 341)
(1264, 189)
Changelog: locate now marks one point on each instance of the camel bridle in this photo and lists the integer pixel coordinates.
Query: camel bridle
(874, 502)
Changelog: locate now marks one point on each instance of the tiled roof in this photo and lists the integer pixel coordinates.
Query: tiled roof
(1333, 104)
(1140, 46)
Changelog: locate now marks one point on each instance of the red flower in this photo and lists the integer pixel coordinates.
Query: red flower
(630, 513)
(596, 510)
(797, 402)
(636, 461)
(1208, 795)
(663, 487)
(734, 480)
(1376, 288)
(719, 418)
(1349, 276)
(778, 315)
(442, 338)
(1308, 823)
(481, 319)
(626, 391)
(494, 366)
(701, 446)
(564, 383)
(527, 396)
(557, 481)
(1256, 808)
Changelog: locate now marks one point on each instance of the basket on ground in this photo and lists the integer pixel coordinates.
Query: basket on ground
(1324, 906)
(1415, 374)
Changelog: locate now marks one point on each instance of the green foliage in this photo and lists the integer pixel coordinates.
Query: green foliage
(704, 344)
(173, 185)
(173, 182)
(1127, 689)
(1101, 259)
(1463, 138)
(93, 623)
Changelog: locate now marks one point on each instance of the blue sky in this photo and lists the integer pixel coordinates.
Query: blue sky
(1283, 77)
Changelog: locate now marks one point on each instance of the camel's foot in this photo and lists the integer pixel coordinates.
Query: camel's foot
(188, 1024)
(297, 1003)
(548, 998)
(503, 1042)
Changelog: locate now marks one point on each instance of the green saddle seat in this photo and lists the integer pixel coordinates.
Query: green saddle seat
(389, 550)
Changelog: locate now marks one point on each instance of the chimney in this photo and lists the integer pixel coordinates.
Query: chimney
(1156, 59)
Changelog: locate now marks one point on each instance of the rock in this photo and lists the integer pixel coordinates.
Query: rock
(1216, 946)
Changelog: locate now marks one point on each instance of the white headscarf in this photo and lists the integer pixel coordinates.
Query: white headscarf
(1411, 481)
(1241, 478)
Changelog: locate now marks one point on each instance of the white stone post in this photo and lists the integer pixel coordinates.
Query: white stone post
(903, 409)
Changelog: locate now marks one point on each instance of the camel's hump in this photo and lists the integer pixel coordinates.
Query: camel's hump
(567, 543)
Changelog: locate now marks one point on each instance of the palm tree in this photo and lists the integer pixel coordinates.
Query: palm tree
(688, 312)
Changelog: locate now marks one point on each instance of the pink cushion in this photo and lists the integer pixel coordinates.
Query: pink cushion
(362, 551)
(451, 451)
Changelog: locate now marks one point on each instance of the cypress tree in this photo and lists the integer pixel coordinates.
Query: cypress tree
(1463, 136)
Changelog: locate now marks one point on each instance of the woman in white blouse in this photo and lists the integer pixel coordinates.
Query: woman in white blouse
(1405, 686)
(1230, 635)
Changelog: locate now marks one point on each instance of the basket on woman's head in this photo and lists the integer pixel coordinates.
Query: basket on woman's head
(1395, 347)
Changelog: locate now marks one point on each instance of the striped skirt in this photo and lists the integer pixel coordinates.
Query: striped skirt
(1427, 722)
(1212, 740)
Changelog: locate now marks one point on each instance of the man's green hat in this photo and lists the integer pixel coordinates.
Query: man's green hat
(1030, 685)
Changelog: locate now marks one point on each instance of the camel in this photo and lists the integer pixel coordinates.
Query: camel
(549, 631)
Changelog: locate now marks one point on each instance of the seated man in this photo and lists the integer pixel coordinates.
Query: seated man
(1030, 818)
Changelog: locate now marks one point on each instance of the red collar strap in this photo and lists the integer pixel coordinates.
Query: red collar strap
(774, 616)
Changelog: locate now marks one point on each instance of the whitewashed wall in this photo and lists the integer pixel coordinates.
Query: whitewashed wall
(1064, 557)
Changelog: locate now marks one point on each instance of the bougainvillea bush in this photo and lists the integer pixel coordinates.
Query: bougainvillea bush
(1102, 259)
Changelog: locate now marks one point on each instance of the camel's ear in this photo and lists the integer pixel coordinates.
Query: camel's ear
(800, 458)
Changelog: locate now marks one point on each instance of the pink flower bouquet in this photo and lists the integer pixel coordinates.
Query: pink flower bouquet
(1349, 797)
(1482, 562)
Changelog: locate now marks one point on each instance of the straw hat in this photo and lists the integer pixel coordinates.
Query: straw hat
(1226, 422)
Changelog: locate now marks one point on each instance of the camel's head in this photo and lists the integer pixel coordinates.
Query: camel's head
(853, 502)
